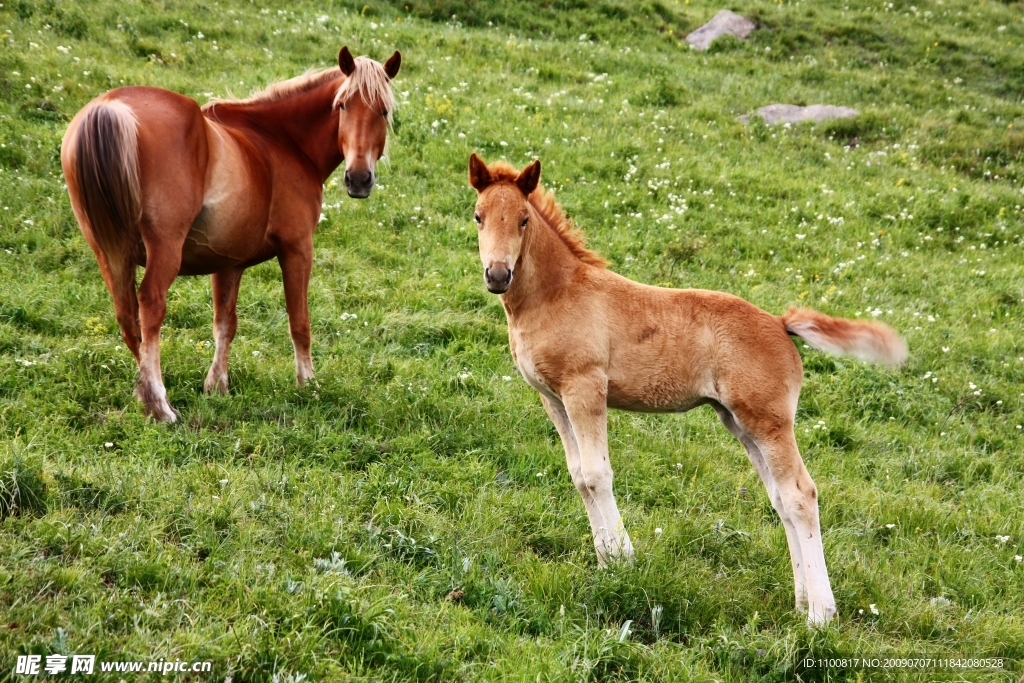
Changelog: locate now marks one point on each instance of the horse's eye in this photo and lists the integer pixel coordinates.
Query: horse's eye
(476, 217)
(341, 106)
(523, 224)
(385, 113)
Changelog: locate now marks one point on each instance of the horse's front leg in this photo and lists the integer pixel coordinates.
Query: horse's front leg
(162, 264)
(225, 324)
(296, 261)
(586, 407)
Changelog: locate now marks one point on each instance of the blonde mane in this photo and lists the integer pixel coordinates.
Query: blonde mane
(371, 82)
(544, 203)
(368, 80)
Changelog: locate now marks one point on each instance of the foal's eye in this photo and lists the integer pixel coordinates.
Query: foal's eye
(476, 217)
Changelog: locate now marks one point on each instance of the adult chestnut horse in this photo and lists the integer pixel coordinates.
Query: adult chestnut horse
(588, 340)
(157, 181)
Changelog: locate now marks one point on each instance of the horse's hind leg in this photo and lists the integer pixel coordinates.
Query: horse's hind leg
(225, 324)
(120, 282)
(757, 460)
(126, 310)
(296, 263)
(162, 264)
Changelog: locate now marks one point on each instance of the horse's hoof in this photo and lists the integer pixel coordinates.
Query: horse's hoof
(218, 385)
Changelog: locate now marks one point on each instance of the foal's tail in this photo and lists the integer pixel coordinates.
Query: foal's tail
(106, 169)
(868, 341)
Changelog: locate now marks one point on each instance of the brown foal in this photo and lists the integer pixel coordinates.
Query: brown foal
(588, 339)
(157, 181)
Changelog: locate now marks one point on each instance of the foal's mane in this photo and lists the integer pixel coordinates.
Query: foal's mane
(543, 202)
(368, 80)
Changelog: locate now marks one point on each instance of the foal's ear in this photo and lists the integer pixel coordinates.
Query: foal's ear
(346, 62)
(479, 176)
(529, 177)
(393, 64)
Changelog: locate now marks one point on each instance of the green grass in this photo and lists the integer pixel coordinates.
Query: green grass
(284, 532)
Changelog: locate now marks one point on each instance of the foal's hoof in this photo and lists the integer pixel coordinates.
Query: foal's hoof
(819, 615)
(164, 413)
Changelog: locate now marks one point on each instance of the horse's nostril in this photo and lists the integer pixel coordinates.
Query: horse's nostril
(358, 178)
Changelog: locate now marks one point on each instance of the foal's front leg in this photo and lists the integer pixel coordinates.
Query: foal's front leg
(225, 324)
(296, 261)
(556, 411)
(585, 405)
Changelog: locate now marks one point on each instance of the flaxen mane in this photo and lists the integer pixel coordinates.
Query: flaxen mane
(368, 80)
(371, 82)
(551, 211)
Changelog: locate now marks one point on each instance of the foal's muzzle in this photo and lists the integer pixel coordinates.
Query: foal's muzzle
(497, 278)
(359, 183)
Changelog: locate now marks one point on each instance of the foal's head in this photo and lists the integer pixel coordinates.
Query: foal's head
(502, 214)
(364, 102)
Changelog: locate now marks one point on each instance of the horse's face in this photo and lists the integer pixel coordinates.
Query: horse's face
(502, 215)
(363, 116)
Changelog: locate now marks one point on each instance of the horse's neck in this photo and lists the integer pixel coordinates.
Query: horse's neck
(308, 122)
(547, 268)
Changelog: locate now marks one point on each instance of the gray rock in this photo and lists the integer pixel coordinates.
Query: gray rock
(724, 23)
(792, 113)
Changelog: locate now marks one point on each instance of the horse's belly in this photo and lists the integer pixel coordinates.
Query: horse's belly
(222, 236)
(231, 228)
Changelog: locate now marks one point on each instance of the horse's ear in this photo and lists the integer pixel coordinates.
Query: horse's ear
(479, 176)
(529, 177)
(346, 62)
(393, 64)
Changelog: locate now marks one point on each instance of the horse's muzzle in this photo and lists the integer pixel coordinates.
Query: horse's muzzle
(497, 278)
(359, 183)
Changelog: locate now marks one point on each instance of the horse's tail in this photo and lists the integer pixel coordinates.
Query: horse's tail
(106, 169)
(868, 341)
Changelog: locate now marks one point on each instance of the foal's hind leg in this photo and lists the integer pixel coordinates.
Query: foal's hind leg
(799, 503)
(225, 324)
(757, 460)
(296, 263)
(800, 498)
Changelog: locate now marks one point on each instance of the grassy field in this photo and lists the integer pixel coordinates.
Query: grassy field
(313, 534)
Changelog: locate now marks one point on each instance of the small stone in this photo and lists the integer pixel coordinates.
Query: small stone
(723, 23)
(793, 113)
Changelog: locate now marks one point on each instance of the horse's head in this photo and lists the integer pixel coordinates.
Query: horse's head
(364, 102)
(502, 213)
